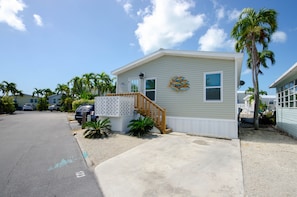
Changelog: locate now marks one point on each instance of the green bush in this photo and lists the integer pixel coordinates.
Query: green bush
(67, 104)
(42, 104)
(268, 118)
(141, 126)
(77, 103)
(98, 129)
(7, 105)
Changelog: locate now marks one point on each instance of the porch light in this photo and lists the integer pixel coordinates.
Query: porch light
(141, 75)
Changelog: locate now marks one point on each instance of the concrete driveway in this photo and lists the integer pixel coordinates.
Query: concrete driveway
(175, 165)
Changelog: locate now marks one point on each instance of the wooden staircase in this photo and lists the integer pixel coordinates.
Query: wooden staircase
(146, 107)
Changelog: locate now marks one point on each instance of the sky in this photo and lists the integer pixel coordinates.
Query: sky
(49, 42)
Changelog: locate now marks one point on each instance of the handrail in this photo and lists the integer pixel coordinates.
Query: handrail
(147, 107)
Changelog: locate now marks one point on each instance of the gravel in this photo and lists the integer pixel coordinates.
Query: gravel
(269, 160)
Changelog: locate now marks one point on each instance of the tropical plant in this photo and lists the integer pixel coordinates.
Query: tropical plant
(77, 103)
(8, 105)
(7, 87)
(42, 104)
(140, 126)
(252, 31)
(97, 129)
(37, 92)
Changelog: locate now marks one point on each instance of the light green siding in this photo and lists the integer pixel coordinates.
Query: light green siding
(188, 103)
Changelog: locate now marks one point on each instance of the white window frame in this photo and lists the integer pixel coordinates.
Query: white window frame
(287, 95)
(221, 87)
(130, 83)
(146, 79)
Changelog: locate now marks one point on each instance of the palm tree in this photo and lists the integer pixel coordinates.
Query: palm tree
(7, 88)
(252, 30)
(62, 89)
(37, 92)
(76, 86)
(103, 83)
(250, 91)
(88, 81)
(47, 92)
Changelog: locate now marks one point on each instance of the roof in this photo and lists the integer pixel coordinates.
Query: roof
(262, 96)
(237, 57)
(289, 73)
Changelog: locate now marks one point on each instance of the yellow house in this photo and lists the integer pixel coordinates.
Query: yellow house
(26, 98)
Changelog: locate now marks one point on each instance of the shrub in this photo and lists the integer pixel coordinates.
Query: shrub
(268, 118)
(97, 129)
(67, 104)
(141, 126)
(42, 104)
(77, 103)
(7, 104)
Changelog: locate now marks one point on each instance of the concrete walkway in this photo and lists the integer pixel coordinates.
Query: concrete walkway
(175, 165)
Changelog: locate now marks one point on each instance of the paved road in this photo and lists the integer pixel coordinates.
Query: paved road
(40, 157)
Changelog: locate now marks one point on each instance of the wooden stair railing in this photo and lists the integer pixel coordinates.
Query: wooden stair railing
(146, 107)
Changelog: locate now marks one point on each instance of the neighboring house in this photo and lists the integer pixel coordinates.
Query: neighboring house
(248, 107)
(197, 89)
(26, 98)
(54, 99)
(286, 107)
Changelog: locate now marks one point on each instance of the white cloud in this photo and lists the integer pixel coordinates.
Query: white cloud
(38, 20)
(279, 36)
(8, 13)
(127, 6)
(220, 13)
(246, 71)
(215, 39)
(233, 15)
(167, 24)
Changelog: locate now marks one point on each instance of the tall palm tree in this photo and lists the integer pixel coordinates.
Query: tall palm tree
(251, 31)
(76, 85)
(7, 87)
(37, 92)
(88, 81)
(47, 92)
(250, 91)
(62, 89)
(103, 83)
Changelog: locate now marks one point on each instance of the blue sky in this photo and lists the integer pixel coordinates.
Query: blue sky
(44, 43)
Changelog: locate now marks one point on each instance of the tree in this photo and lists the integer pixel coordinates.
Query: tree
(62, 89)
(88, 81)
(37, 92)
(103, 83)
(253, 30)
(250, 91)
(76, 85)
(7, 88)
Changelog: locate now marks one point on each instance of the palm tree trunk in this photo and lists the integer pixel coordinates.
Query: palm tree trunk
(255, 68)
(257, 102)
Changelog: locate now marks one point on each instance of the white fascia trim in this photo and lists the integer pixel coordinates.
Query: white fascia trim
(162, 52)
(283, 76)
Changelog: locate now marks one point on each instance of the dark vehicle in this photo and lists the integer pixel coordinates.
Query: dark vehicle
(88, 109)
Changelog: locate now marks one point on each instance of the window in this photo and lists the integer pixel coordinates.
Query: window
(150, 89)
(287, 95)
(213, 86)
(134, 85)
